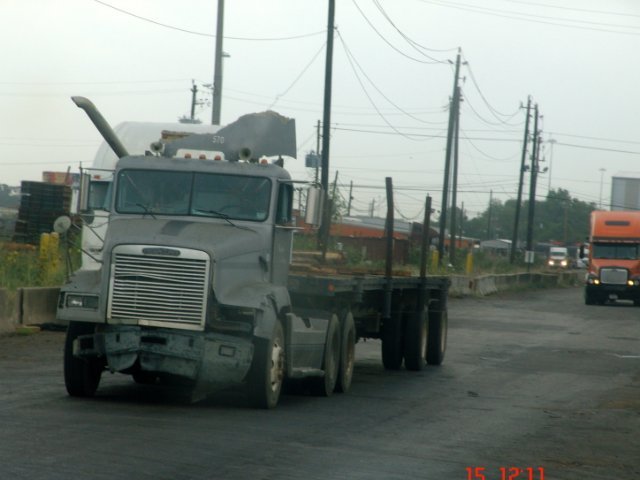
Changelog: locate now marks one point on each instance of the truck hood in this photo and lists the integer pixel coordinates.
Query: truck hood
(219, 240)
(597, 263)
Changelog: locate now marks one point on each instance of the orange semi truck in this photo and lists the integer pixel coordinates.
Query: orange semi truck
(614, 257)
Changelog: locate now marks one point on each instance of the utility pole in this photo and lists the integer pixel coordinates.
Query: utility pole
(516, 224)
(194, 92)
(350, 198)
(461, 222)
(317, 149)
(529, 255)
(323, 232)
(447, 162)
(217, 74)
(328, 72)
(490, 214)
(551, 142)
(454, 190)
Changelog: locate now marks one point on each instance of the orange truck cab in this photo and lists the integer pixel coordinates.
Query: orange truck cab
(614, 257)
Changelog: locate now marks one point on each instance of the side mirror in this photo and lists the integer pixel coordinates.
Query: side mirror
(581, 254)
(315, 200)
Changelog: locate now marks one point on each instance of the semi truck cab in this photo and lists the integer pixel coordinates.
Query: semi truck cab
(614, 257)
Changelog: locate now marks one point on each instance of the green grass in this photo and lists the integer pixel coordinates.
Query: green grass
(25, 266)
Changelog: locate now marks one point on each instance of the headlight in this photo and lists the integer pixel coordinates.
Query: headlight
(82, 301)
(550, 262)
(563, 263)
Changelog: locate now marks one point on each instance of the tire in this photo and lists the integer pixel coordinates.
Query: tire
(588, 299)
(267, 370)
(437, 337)
(81, 376)
(392, 351)
(325, 385)
(415, 341)
(347, 354)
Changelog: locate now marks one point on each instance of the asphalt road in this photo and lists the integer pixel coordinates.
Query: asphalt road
(531, 380)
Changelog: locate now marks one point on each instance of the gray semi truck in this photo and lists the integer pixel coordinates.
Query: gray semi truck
(195, 283)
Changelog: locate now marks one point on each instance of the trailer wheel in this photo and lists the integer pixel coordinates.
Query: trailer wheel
(81, 376)
(415, 341)
(392, 353)
(437, 337)
(347, 354)
(325, 385)
(267, 370)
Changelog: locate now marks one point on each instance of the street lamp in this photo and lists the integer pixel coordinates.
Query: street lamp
(602, 170)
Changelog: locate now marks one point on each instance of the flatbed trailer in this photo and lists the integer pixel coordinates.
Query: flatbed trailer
(409, 314)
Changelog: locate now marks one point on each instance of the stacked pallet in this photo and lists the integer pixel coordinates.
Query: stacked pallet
(40, 205)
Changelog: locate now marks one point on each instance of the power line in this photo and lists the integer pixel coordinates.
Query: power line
(495, 112)
(202, 34)
(429, 62)
(352, 60)
(298, 77)
(531, 18)
(410, 41)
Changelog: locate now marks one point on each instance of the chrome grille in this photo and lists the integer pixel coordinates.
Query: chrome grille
(613, 276)
(158, 290)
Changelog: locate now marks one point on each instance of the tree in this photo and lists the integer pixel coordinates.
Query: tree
(558, 218)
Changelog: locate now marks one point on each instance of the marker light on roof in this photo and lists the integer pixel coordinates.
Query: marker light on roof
(264, 161)
(187, 155)
(202, 156)
(217, 157)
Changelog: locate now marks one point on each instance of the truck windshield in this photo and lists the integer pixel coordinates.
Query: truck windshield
(156, 192)
(615, 251)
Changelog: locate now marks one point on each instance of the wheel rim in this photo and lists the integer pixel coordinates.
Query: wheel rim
(423, 339)
(277, 365)
(350, 357)
(443, 331)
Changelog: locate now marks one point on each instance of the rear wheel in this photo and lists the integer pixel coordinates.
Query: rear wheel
(267, 370)
(392, 351)
(324, 386)
(347, 354)
(81, 375)
(415, 341)
(437, 338)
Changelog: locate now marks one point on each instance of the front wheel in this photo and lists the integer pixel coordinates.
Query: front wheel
(81, 375)
(267, 370)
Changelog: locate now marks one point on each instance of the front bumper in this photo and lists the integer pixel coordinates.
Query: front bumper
(606, 291)
(211, 358)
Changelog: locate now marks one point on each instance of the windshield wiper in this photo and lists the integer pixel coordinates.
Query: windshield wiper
(147, 210)
(221, 215)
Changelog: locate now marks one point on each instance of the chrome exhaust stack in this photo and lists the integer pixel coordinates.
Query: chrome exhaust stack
(101, 124)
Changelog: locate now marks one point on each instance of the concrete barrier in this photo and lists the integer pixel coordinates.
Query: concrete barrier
(39, 305)
(9, 310)
(490, 284)
(27, 306)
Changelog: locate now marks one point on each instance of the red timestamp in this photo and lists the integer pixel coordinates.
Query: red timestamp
(506, 473)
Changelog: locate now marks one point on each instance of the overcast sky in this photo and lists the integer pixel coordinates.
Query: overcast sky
(393, 77)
